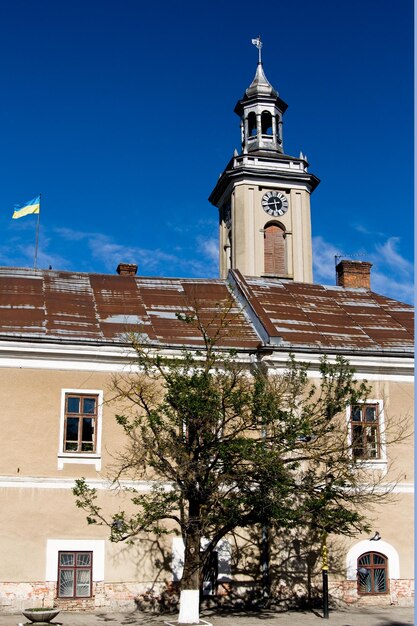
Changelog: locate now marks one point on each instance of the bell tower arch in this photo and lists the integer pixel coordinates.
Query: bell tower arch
(263, 195)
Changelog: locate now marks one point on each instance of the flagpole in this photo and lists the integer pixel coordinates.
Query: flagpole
(37, 234)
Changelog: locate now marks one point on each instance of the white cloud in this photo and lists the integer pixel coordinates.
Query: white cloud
(389, 255)
(391, 274)
(110, 253)
(19, 254)
(392, 287)
(184, 228)
(360, 228)
(209, 247)
(177, 260)
(70, 235)
(324, 260)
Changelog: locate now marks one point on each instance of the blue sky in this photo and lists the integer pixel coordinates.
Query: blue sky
(121, 114)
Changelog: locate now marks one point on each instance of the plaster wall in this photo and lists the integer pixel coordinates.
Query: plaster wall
(30, 420)
(397, 427)
(248, 223)
(34, 513)
(393, 519)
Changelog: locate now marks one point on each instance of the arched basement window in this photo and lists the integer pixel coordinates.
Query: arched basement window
(372, 573)
(274, 250)
(266, 121)
(252, 130)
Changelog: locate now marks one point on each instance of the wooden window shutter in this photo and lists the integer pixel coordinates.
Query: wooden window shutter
(274, 250)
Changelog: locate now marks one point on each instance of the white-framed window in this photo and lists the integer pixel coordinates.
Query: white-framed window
(219, 569)
(365, 546)
(372, 574)
(57, 559)
(75, 578)
(366, 426)
(80, 427)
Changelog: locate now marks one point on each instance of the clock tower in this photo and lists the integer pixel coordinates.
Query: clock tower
(263, 195)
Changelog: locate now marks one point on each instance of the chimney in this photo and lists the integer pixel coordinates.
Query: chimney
(127, 269)
(356, 274)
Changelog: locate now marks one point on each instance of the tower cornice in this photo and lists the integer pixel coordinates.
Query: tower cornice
(259, 99)
(281, 169)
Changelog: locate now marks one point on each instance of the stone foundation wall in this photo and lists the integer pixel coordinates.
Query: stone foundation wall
(401, 593)
(14, 597)
(18, 596)
(80, 604)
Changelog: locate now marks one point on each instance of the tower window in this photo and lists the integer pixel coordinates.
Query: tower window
(252, 130)
(372, 574)
(279, 128)
(266, 120)
(274, 250)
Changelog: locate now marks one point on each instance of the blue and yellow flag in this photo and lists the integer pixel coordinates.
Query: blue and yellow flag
(33, 206)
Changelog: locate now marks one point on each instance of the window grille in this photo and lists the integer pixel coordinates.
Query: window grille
(75, 574)
(372, 574)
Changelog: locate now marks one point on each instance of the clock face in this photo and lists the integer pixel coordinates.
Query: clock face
(275, 203)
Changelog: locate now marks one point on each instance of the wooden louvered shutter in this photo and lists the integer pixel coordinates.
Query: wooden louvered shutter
(274, 250)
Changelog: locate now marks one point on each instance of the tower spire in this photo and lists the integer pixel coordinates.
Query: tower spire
(261, 110)
(258, 43)
(263, 195)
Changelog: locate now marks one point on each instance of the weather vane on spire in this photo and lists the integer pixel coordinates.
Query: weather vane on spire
(258, 43)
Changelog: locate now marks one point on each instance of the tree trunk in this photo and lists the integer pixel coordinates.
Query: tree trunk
(190, 584)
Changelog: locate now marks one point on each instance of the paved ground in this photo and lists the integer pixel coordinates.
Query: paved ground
(389, 616)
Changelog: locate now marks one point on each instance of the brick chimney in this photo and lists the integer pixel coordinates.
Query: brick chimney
(127, 269)
(356, 274)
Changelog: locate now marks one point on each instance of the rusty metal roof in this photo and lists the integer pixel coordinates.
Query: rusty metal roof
(74, 307)
(69, 307)
(330, 318)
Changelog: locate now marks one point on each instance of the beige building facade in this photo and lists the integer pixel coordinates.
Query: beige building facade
(63, 336)
(46, 382)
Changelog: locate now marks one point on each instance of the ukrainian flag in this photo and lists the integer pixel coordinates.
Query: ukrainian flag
(33, 206)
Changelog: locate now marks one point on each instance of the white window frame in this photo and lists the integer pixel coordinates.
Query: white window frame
(367, 545)
(382, 462)
(80, 458)
(223, 549)
(54, 546)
